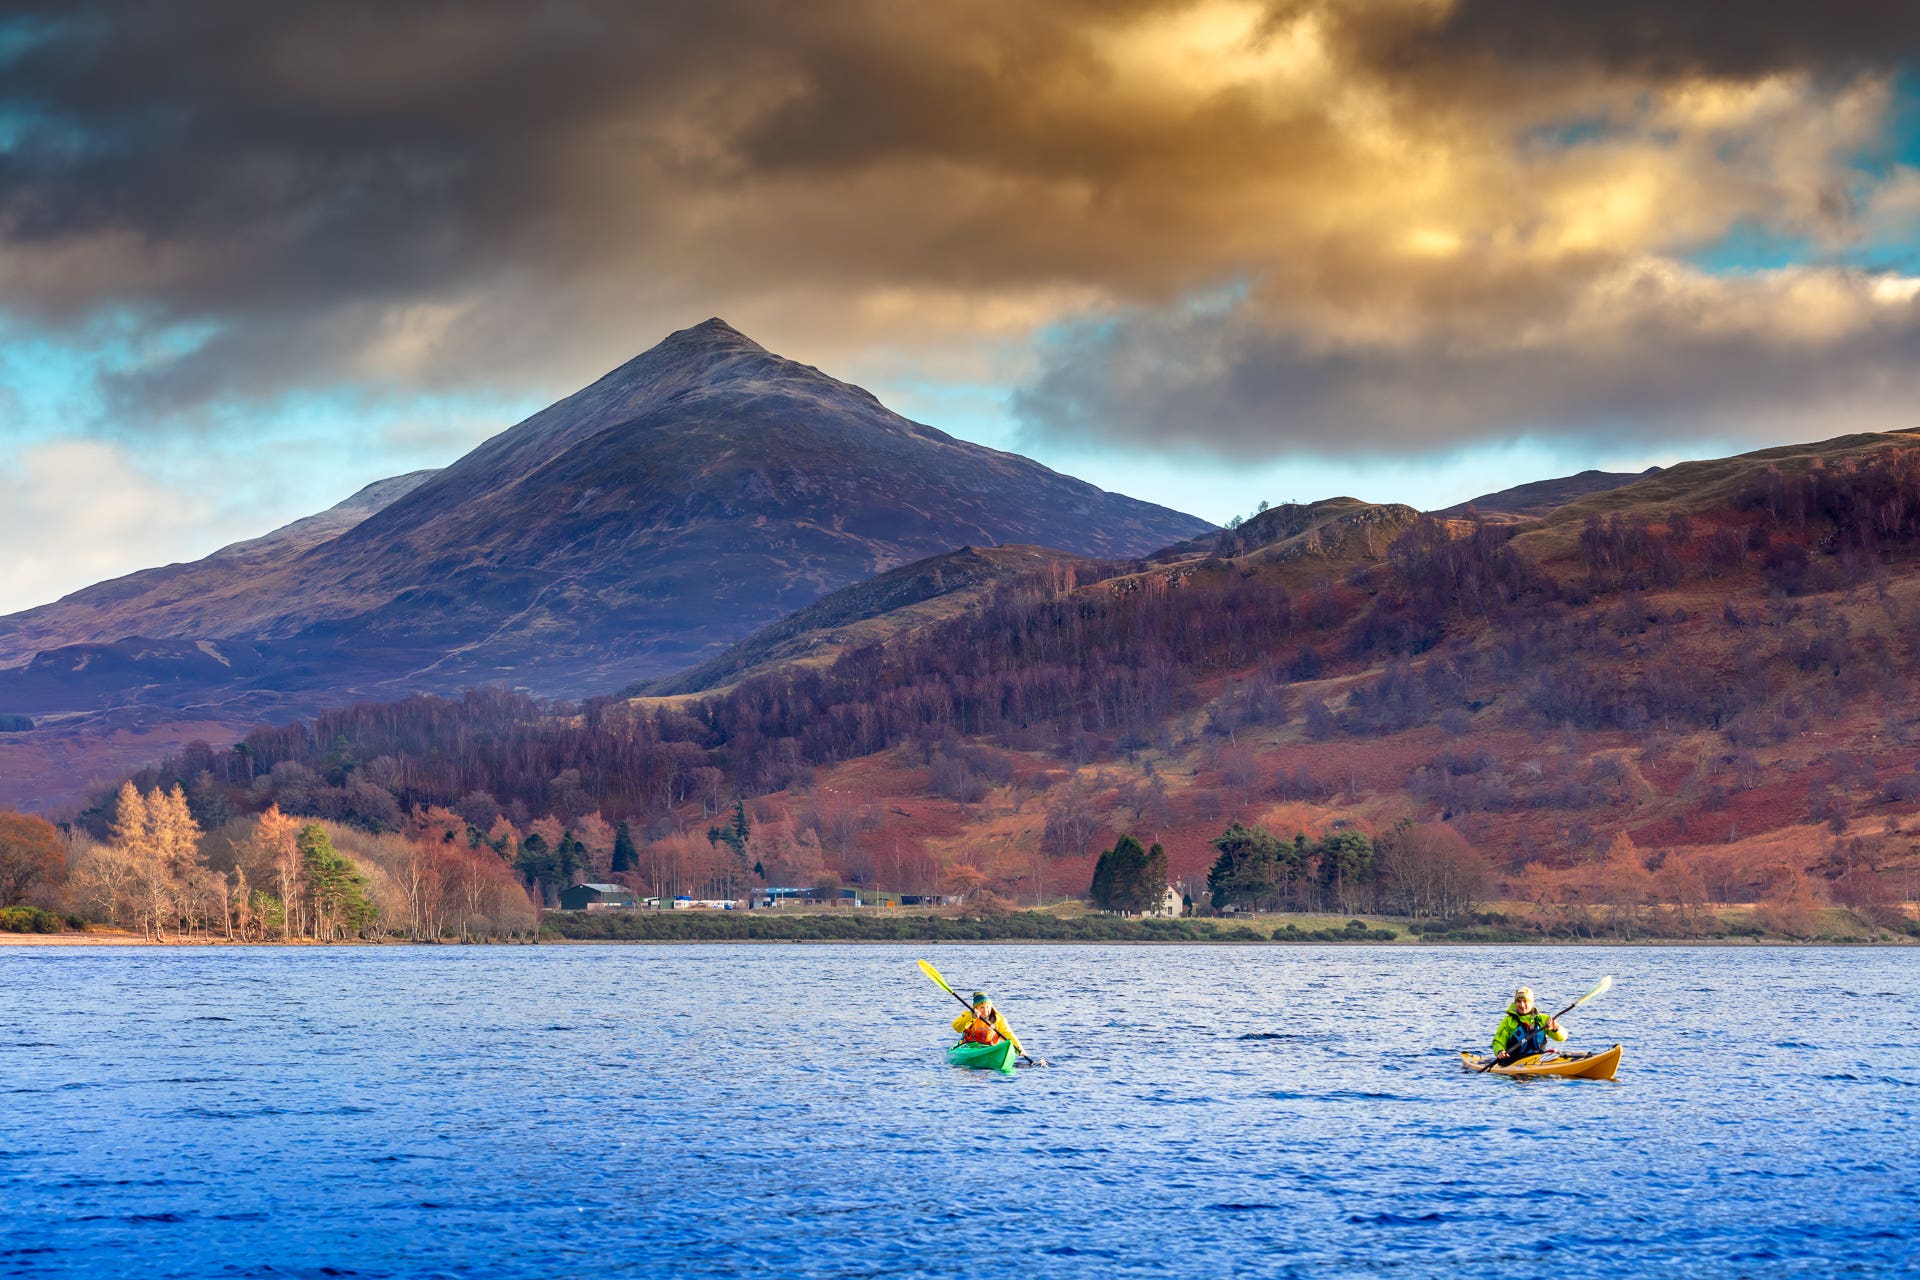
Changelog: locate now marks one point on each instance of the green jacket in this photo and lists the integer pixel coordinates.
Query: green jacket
(1510, 1026)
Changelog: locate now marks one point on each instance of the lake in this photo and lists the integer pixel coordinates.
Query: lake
(786, 1111)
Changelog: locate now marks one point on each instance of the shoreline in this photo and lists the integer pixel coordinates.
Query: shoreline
(72, 940)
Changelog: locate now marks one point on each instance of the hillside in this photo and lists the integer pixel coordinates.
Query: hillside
(1539, 497)
(1299, 544)
(1653, 717)
(881, 608)
(188, 600)
(701, 491)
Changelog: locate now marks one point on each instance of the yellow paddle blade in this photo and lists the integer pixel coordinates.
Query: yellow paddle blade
(1601, 988)
(934, 973)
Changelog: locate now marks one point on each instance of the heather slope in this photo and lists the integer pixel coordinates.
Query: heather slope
(879, 609)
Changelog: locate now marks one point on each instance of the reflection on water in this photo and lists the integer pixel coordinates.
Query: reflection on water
(786, 1110)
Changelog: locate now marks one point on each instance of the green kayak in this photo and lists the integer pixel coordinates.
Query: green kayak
(987, 1057)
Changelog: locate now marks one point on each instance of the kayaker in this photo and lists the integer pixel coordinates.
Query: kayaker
(982, 1023)
(1524, 1031)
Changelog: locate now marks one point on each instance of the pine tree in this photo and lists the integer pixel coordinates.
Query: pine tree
(176, 836)
(1153, 879)
(569, 856)
(625, 856)
(735, 836)
(1249, 868)
(1346, 866)
(128, 831)
(1127, 878)
(336, 891)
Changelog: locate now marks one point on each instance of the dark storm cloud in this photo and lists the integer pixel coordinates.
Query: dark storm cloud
(1672, 37)
(453, 195)
(1236, 385)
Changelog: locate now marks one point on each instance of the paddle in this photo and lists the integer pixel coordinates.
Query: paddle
(1599, 988)
(934, 973)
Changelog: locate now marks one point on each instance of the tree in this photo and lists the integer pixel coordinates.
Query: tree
(175, 849)
(147, 888)
(1071, 821)
(1428, 869)
(336, 891)
(1346, 864)
(1153, 884)
(276, 844)
(569, 858)
(625, 856)
(735, 836)
(30, 853)
(1129, 878)
(1251, 869)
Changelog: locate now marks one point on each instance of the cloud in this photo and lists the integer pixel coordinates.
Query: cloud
(78, 511)
(1646, 353)
(1429, 221)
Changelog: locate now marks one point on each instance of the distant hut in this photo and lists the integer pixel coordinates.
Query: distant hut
(596, 897)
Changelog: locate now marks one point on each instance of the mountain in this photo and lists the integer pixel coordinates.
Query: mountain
(1538, 497)
(695, 494)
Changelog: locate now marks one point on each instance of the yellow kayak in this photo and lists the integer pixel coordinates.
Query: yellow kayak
(1572, 1066)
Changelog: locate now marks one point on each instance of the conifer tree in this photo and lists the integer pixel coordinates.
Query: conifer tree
(625, 856)
(1128, 878)
(133, 836)
(176, 836)
(336, 891)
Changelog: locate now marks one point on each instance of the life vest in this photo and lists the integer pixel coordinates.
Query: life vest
(1528, 1038)
(981, 1031)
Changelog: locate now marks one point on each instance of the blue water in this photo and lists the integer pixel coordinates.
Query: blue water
(785, 1111)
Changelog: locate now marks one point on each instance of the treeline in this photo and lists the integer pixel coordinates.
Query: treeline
(1087, 674)
(279, 878)
(1424, 870)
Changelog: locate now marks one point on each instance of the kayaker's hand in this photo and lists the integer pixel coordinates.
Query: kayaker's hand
(1553, 1024)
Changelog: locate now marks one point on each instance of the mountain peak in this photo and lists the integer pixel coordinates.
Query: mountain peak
(712, 336)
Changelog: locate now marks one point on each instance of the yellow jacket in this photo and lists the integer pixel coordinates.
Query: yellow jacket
(967, 1019)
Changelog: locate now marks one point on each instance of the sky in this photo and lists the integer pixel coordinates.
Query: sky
(1205, 252)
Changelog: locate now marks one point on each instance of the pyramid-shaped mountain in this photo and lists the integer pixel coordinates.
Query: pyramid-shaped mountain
(688, 498)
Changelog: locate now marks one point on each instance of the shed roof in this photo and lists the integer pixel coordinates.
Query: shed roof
(603, 888)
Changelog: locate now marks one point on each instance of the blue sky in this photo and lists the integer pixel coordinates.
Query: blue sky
(252, 258)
